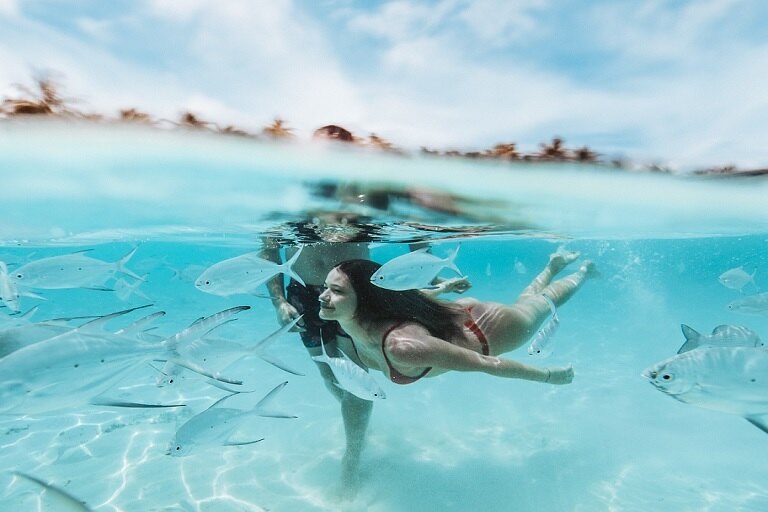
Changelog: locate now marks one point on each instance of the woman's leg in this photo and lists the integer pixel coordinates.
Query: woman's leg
(557, 262)
(356, 414)
(509, 327)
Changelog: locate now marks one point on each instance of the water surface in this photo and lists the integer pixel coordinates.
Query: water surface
(609, 441)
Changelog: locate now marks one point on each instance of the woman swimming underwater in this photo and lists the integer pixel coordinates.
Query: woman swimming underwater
(409, 334)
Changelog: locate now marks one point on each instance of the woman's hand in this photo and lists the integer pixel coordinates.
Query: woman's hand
(286, 313)
(563, 375)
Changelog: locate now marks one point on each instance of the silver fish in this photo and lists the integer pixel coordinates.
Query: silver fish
(413, 271)
(224, 353)
(736, 278)
(215, 425)
(9, 294)
(75, 270)
(73, 369)
(541, 345)
(16, 337)
(243, 274)
(350, 377)
(751, 305)
(727, 379)
(722, 336)
(195, 331)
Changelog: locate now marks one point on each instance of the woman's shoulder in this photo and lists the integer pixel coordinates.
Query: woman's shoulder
(466, 302)
(400, 329)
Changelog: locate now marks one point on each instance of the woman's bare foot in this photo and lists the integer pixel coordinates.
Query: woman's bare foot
(589, 269)
(560, 259)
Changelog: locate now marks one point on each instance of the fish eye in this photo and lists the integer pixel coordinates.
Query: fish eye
(19, 276)
(178, 448)
(666, 376)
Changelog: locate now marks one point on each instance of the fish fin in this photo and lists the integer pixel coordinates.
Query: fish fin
(202, 326)
(721, 328)
(68, 500)
(288, 266)
(31, 295)
(137, 327)
(120, 264)
(31, 311)
(450, 261)
(690, 332)
(99, 322)
(691, 339)
(758, 421)
(220, 385)
(347, 358)
(274, 335)
(194, 367)
(277, 363)
(242, 443)
(135, 405)
(262, 408)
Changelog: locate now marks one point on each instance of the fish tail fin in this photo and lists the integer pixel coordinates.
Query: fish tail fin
(124, 289)
(259, 347)
(243, 443)
(691, 339)
(758, 421)
(96, 325)
(288, 267)
(450, 261)
(277, 363)
(29, 313)
(262, 407)
(120, 265)
(201, 327)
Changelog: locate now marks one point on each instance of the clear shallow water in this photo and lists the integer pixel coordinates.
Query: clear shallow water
(609, 441)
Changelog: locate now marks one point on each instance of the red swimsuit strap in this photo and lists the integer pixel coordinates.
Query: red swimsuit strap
(479, 334)
(394, 375)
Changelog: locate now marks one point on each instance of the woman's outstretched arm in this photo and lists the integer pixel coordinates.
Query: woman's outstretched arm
(413, 346)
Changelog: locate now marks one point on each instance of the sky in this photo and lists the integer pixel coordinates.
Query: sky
(673, 82)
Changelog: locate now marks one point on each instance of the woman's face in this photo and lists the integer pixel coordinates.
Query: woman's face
(338, 301)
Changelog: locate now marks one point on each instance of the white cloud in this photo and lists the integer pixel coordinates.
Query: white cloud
(9, 8)
(402, 19)
(97, 29)
(270, 59)
(499, 23)
(683, 90)
(656, 31)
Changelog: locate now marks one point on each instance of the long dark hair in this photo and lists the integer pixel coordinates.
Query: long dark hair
(441, 319)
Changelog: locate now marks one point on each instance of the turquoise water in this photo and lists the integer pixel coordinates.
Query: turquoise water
(608, 441)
